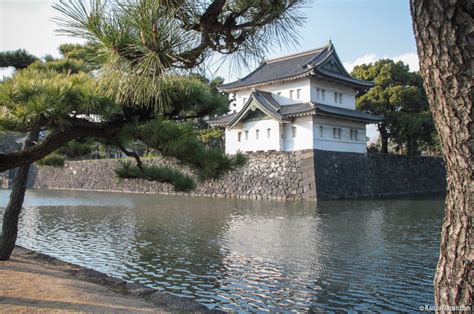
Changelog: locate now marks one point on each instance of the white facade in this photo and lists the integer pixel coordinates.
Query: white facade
(286, 93)
(307, 132)
(298, 102)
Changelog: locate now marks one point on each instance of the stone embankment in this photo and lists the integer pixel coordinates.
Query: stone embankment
(284, 176)
(302, 175)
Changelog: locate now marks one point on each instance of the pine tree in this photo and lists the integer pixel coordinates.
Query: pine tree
(131, 76)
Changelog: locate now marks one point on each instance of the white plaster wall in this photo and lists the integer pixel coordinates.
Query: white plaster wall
(344, 144)
(348, 93)
(284, 88)
(304, 134)
(252, 144)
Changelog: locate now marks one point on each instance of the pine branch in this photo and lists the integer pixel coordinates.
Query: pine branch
(131, 154)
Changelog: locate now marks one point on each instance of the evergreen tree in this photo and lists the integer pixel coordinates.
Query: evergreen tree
(399, 96)
(137, 89)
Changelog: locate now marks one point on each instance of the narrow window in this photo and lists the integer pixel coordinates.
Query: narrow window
(293, 131)
(298, 93)
(355, 135)
(291, 94)
(239, 136)
(352, 134)
(321, 131)
(340, 98)
(334, 132)
(257, 133)
(268, 133)
(245, 100)
(339, 133)
(323, 94)
(246, 135)
(336, 100)
(318, 92)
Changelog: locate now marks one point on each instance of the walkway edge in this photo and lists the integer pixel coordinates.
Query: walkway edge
(170, 302)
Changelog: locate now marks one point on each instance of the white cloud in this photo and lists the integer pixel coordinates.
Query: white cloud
(361, 60)
(410, 58)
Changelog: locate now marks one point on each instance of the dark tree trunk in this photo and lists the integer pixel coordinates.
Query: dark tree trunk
(412, 147)
(13, 209)
(444, 37)
(383, 137)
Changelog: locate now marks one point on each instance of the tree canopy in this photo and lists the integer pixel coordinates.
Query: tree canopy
(133, 74)
(399, 96)
(19, 59)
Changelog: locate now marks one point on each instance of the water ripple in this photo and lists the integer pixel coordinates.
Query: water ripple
(247, 255)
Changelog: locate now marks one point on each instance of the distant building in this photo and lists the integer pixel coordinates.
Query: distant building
(301, 101)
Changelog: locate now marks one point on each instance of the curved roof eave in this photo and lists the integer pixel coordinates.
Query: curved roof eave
(276, 81)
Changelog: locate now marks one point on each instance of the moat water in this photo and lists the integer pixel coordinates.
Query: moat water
(247, 255)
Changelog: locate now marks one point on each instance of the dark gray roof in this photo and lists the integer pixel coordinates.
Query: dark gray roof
(298, 65)
(222, 120)
(269, 105)
(347, 113)
(297, 109)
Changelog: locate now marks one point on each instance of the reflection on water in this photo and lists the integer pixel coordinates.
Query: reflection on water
(247, 255)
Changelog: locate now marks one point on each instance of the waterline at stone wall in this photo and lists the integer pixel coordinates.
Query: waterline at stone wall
(301, 175)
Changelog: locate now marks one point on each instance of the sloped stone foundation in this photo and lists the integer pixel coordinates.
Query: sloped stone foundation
(301, 175)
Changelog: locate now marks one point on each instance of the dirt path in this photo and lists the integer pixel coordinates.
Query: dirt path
(32, 285)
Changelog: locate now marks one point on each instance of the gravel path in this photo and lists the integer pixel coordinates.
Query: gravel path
(29, 284)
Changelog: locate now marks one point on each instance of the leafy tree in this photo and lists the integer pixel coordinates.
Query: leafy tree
(399, 96)
(18, 59)
(443, 32)
(137, 91)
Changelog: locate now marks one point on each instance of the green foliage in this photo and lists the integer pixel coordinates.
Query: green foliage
(192, 96)
(88, 54)
(213, 137)
(141, 41)
(179, 140)
(78, 148)
(398, 95)
(167, 174)
(64, 66)
(53, 159)
(35, 96)
(19, 59)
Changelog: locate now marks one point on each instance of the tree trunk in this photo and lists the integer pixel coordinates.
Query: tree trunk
(444, 37)
(412, 147)
(383, 137)
(13, 209)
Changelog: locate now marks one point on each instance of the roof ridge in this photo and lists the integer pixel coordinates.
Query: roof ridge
(299, 54)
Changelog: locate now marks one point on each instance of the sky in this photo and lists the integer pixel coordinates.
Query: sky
(362, 31)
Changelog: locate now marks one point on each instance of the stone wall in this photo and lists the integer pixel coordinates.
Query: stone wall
(351, 175)
(276, 175)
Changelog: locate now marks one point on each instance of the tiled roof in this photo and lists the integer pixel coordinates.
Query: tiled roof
(297, 109)
(222, 120)
(347, 113)
(295, 66)
(269, 105)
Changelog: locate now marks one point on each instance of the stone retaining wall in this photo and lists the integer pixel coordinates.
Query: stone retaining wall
(351, 175)
(276, 175)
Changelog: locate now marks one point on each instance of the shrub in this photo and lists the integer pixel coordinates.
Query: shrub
(53, 159)
(167, 174)
(77, 148)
